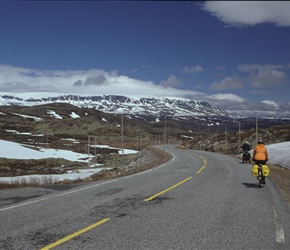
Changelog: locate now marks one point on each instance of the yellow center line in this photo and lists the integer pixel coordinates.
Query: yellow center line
(200, 169)
(166, 190)
(107, 219)
(179, 183)
(74, 234)
(204, 163)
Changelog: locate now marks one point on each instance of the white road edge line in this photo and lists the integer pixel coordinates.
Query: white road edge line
(55, 195)
(78, 190)
(280, 236)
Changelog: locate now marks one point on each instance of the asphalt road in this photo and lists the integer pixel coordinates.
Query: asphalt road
(199, 200)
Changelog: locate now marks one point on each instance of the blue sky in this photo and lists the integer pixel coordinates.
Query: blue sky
(234, 55)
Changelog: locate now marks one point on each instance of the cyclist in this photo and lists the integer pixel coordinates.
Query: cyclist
(246, 148)
(260, 155)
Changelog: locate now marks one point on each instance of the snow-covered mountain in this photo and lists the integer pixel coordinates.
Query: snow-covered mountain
(187, 112)
(179, 108)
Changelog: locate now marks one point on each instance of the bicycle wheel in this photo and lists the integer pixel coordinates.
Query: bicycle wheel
(260, 176)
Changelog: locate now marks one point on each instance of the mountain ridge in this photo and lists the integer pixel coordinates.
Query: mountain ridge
(196, 115)
(117, 103)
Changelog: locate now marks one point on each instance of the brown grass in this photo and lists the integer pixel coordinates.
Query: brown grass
(28, 182)
(155, 158)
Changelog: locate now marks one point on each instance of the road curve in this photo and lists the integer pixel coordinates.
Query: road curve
(198, 200)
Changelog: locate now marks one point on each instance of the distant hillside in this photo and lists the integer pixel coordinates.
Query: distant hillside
(194, 115)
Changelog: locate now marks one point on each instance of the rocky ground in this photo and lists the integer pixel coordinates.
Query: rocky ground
(119, 166)
(281, 178)
(130, 164)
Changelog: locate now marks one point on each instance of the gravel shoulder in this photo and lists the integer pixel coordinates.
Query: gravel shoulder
(281, 178)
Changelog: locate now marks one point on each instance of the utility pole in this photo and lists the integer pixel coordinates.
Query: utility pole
(226, 139)
(164, 137)
(122, 140)
(256, 130)
(239, 137)
(89, 146)
(95, 145)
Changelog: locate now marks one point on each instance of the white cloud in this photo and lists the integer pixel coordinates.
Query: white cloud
(250, 13)
(227, 97)
(220, 68)
(193, 70)
(96, 80)
(227, 83)
(171, 81)
(241, 107)
(268, 79)
(254, 67)
(99, 82)
(270, 103)
(264, 75)
(140, 68)
(24, 79)
(231, 102)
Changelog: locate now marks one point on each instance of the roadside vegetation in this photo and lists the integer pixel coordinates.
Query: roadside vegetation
(28, 182)
(121, 166)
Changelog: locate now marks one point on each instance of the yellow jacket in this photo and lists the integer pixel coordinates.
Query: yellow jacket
(260, 153)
